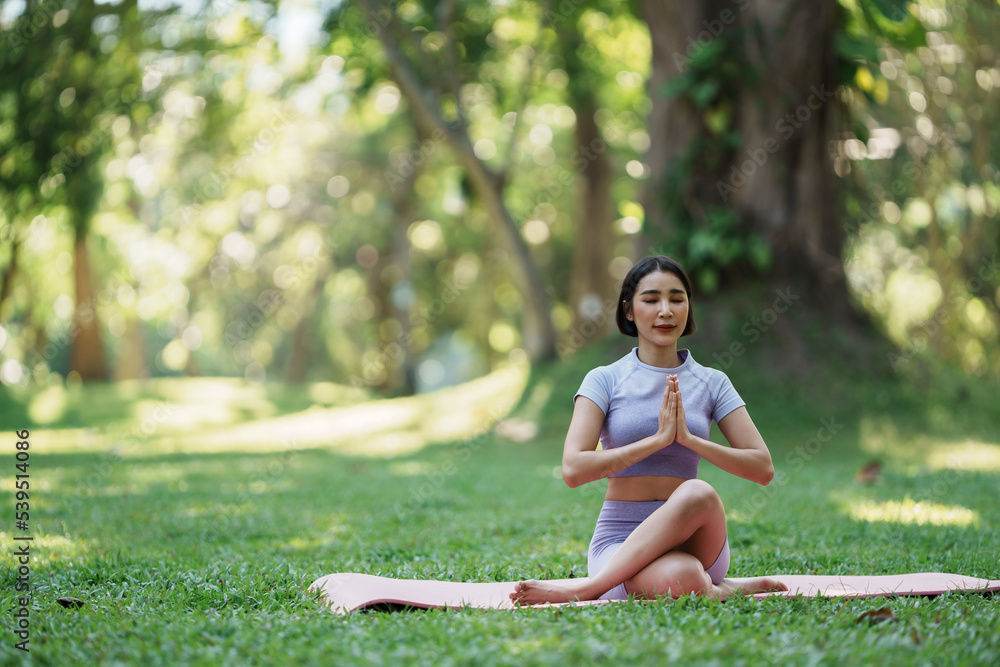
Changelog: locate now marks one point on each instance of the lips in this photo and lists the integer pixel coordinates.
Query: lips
(665, 327)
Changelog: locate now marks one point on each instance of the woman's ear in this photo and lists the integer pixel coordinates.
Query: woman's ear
(628, 311)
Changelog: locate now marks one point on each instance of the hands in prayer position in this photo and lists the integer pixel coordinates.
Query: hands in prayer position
(672, 424)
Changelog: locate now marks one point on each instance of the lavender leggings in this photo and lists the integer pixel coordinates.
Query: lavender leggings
(617, 520)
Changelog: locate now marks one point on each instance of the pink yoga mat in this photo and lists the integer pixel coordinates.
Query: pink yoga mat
(344, 592)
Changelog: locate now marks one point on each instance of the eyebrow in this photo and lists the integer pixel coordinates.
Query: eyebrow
(656, 291)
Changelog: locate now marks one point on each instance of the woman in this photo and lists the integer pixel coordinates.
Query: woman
(661, 531)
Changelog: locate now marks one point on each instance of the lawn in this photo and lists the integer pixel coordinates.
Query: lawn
(193, 540)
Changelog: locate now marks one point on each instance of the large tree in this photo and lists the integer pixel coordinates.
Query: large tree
(744, 103)
(67, 74)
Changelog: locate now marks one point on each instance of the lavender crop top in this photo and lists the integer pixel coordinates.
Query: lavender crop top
(630, 394)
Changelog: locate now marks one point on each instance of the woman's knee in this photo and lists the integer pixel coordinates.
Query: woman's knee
(675, 573)
(698, 495)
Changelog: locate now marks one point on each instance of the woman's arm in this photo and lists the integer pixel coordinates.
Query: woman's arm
(746, 457)
(582, 462)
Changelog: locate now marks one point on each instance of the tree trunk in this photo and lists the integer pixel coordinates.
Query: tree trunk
(672, 123)
(130, 363)
(592, 292)
(401, 372)
(298, 365)
(87, 351)
(425, 104)
(7, 279)
(779, 181)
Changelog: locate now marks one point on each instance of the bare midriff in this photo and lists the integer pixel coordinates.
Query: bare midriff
(642, 488)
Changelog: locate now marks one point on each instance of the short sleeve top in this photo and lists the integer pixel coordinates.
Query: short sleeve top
(630, 393)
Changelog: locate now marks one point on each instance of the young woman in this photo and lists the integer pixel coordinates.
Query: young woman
(661, 531)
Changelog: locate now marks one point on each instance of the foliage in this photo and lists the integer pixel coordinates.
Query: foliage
(923, 197)
(238, 193)
(708, 235)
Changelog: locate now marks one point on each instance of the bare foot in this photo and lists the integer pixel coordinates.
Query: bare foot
(749, 587)
(533, 591)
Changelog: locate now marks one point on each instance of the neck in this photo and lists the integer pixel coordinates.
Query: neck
(662, 357)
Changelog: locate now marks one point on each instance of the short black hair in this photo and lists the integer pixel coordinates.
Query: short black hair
(643, 268)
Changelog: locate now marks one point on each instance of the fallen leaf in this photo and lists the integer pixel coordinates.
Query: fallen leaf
(70, 602)
(880, 615)
(869, 472)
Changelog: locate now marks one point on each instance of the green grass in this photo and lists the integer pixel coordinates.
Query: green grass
(191, 557)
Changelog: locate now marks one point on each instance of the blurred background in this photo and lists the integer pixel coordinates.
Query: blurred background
(375, 200)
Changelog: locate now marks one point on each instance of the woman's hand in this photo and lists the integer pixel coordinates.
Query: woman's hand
(667, 430)
(683, 435)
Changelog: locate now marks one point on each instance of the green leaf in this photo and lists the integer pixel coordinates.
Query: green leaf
(860, 130)
(676, 86)
(894, 10)
(718, 118)
(759, 252)
(708, 56)
(708, 280)
(705, 93)
(854, 49)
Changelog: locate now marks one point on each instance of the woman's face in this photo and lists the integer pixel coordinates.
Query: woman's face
(660, 308)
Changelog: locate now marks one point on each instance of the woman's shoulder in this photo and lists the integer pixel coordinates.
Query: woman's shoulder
(712, 376)
(615, 369)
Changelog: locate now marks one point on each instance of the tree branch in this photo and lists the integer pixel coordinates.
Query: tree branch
(529, 67)
(426, 107)
(446, 17)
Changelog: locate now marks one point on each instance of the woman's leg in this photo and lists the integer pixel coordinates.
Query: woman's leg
(692, 520)
(677, 573)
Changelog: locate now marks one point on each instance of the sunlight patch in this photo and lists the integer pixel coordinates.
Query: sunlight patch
(879, 437)
(410, 468)
(312, 545)
(378, 428)
(910, 512)
(50, 548)
(969, 455)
